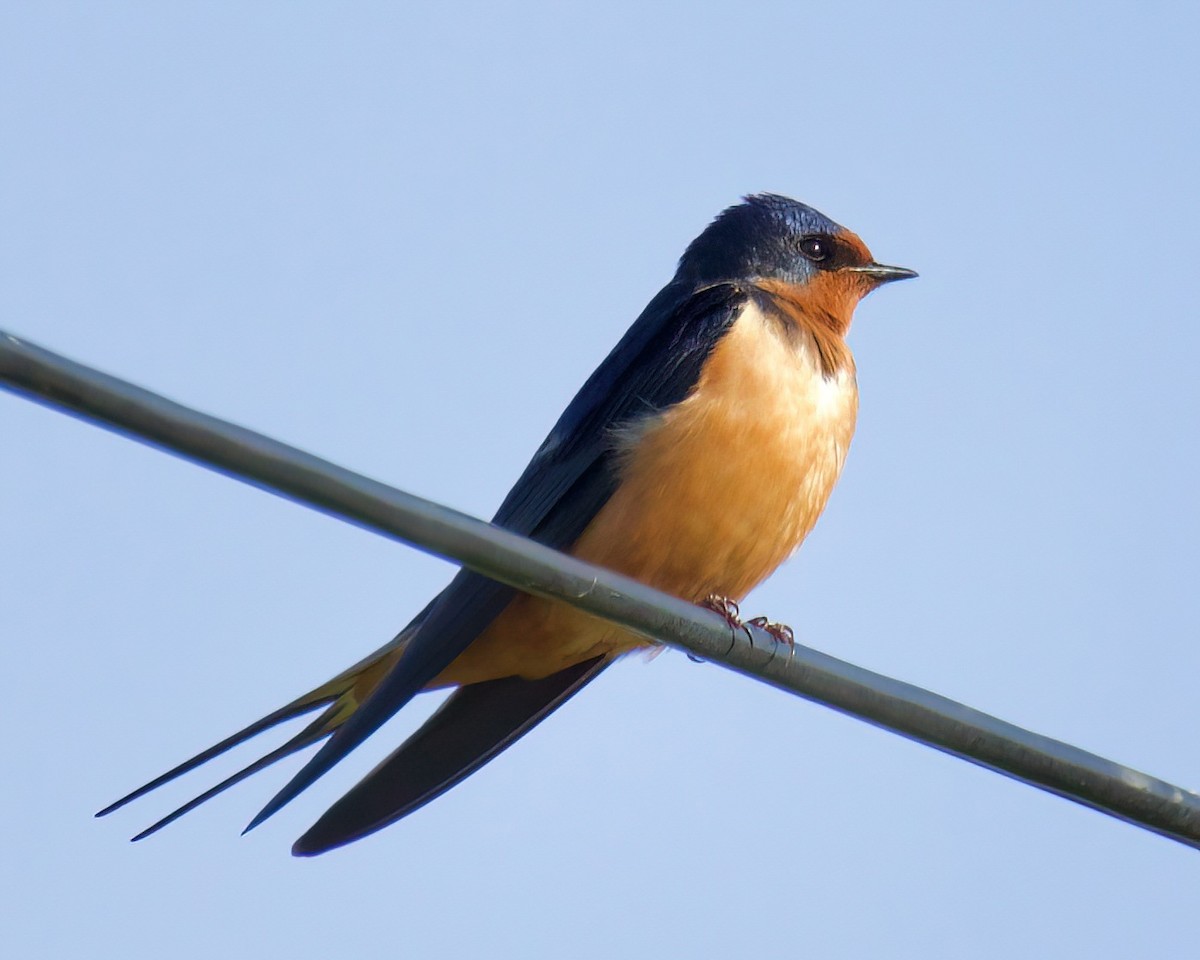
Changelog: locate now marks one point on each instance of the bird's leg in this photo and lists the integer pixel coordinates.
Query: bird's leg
(780, 631)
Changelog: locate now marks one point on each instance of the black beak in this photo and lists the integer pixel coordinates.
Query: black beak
(879, 273)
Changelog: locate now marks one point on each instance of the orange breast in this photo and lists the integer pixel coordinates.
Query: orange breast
(715, 493)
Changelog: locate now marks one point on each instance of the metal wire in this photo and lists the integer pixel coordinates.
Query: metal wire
(1060, 768)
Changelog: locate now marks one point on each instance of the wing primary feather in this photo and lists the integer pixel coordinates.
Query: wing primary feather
(474, 724)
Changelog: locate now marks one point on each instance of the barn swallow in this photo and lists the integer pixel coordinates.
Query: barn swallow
(696, 458)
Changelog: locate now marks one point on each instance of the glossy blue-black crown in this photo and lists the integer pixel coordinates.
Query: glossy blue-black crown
(758, 238)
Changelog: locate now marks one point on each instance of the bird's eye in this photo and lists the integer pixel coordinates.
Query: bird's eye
(815, 248)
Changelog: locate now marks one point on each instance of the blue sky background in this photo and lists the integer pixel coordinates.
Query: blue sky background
(401, 240)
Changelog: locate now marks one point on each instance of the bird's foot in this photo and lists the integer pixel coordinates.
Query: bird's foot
(726, 608)
(780, 631)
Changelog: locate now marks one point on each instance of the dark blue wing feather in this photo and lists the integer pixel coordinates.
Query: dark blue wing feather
(654, 366)
(473, 725)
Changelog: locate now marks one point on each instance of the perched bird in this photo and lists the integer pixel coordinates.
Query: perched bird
(695, 459)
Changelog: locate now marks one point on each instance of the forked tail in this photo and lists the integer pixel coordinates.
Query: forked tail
(475, 723)
(340, 697)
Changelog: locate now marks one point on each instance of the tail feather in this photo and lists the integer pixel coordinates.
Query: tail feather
(296, 708)
(474, 724)
(340, 697)
(314, 732)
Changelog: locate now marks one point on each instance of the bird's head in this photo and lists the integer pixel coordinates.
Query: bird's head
(787, 248)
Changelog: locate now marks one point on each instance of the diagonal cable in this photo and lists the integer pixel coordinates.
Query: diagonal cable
(918, 714)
